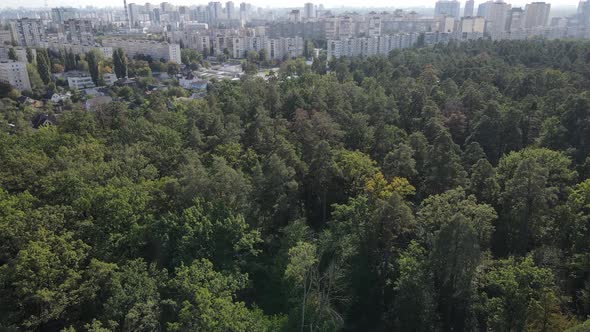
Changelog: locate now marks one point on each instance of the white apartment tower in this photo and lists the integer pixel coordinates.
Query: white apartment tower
(496, 16)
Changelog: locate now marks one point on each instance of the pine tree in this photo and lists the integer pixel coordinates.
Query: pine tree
(44, 65)
(120, 62)
(93, 58)
(12, 54)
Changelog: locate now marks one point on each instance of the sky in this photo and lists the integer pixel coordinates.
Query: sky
(260, 3)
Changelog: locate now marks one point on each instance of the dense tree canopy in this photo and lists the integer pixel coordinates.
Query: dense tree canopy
(435, 189)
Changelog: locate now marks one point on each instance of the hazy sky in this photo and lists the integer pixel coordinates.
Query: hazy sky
(261, 3)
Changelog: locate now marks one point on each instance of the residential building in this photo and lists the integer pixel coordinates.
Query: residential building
(79, 31)
(282, 48)
(446, 24)
(230, 10)
(81, 80)
(76, 48)
(515, 20)
(276, 48)
(27, 31)
(374, 26)
(20, 52)
(468, 11)
(295, 15)
(536, 15)
(15, 73)
(214, 12)
(61, 14)
(447, 8)
(5, 37)
(154, 49)
(369, 46)
(473, 25)
(309, 11)
(496, 16)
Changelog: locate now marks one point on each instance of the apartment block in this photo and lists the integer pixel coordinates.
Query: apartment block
(156, 50)
(473, 25)
(536, 14)
(15, 73)
(27, 32)
(370, 46)
(105, 51)
(5, 37)
(79, 31)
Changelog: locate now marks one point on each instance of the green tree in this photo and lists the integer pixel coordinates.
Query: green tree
(531, 181)
(415, 306)
(44, 65)
(120, 63)
(30, 55)
(12, 54)
(521, 296)
(205, 299)
(444, 169)
(400, 162)
(93, 58)
(46, 280)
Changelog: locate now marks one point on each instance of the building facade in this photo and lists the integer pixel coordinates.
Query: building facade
(154, 49)
(536, 15)
(16, 74)
(27, 32)
(447, 8)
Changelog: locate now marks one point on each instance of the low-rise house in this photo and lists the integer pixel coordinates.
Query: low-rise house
(59, 97)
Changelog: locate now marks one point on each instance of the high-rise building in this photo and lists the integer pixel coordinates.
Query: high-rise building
(583, 18)
(166, 7)
(496, 15)
(135, 12)
(230, 10)
(15, 74)
(245, 9)
(295, 15)
(446, 24)
(536, 14)
(214, 11)
(583, 13)
(473, 24)
(27, 31)
(374, 28)
(5, 37)
(309, 10)
(61, 14)
(79, 31)
(469, 5)
(447, 8)
(157, 50)
(515, 20)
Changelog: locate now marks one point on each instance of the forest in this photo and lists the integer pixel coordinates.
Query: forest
(436, 189)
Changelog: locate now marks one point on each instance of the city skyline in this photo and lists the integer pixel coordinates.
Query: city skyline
(259, 3)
